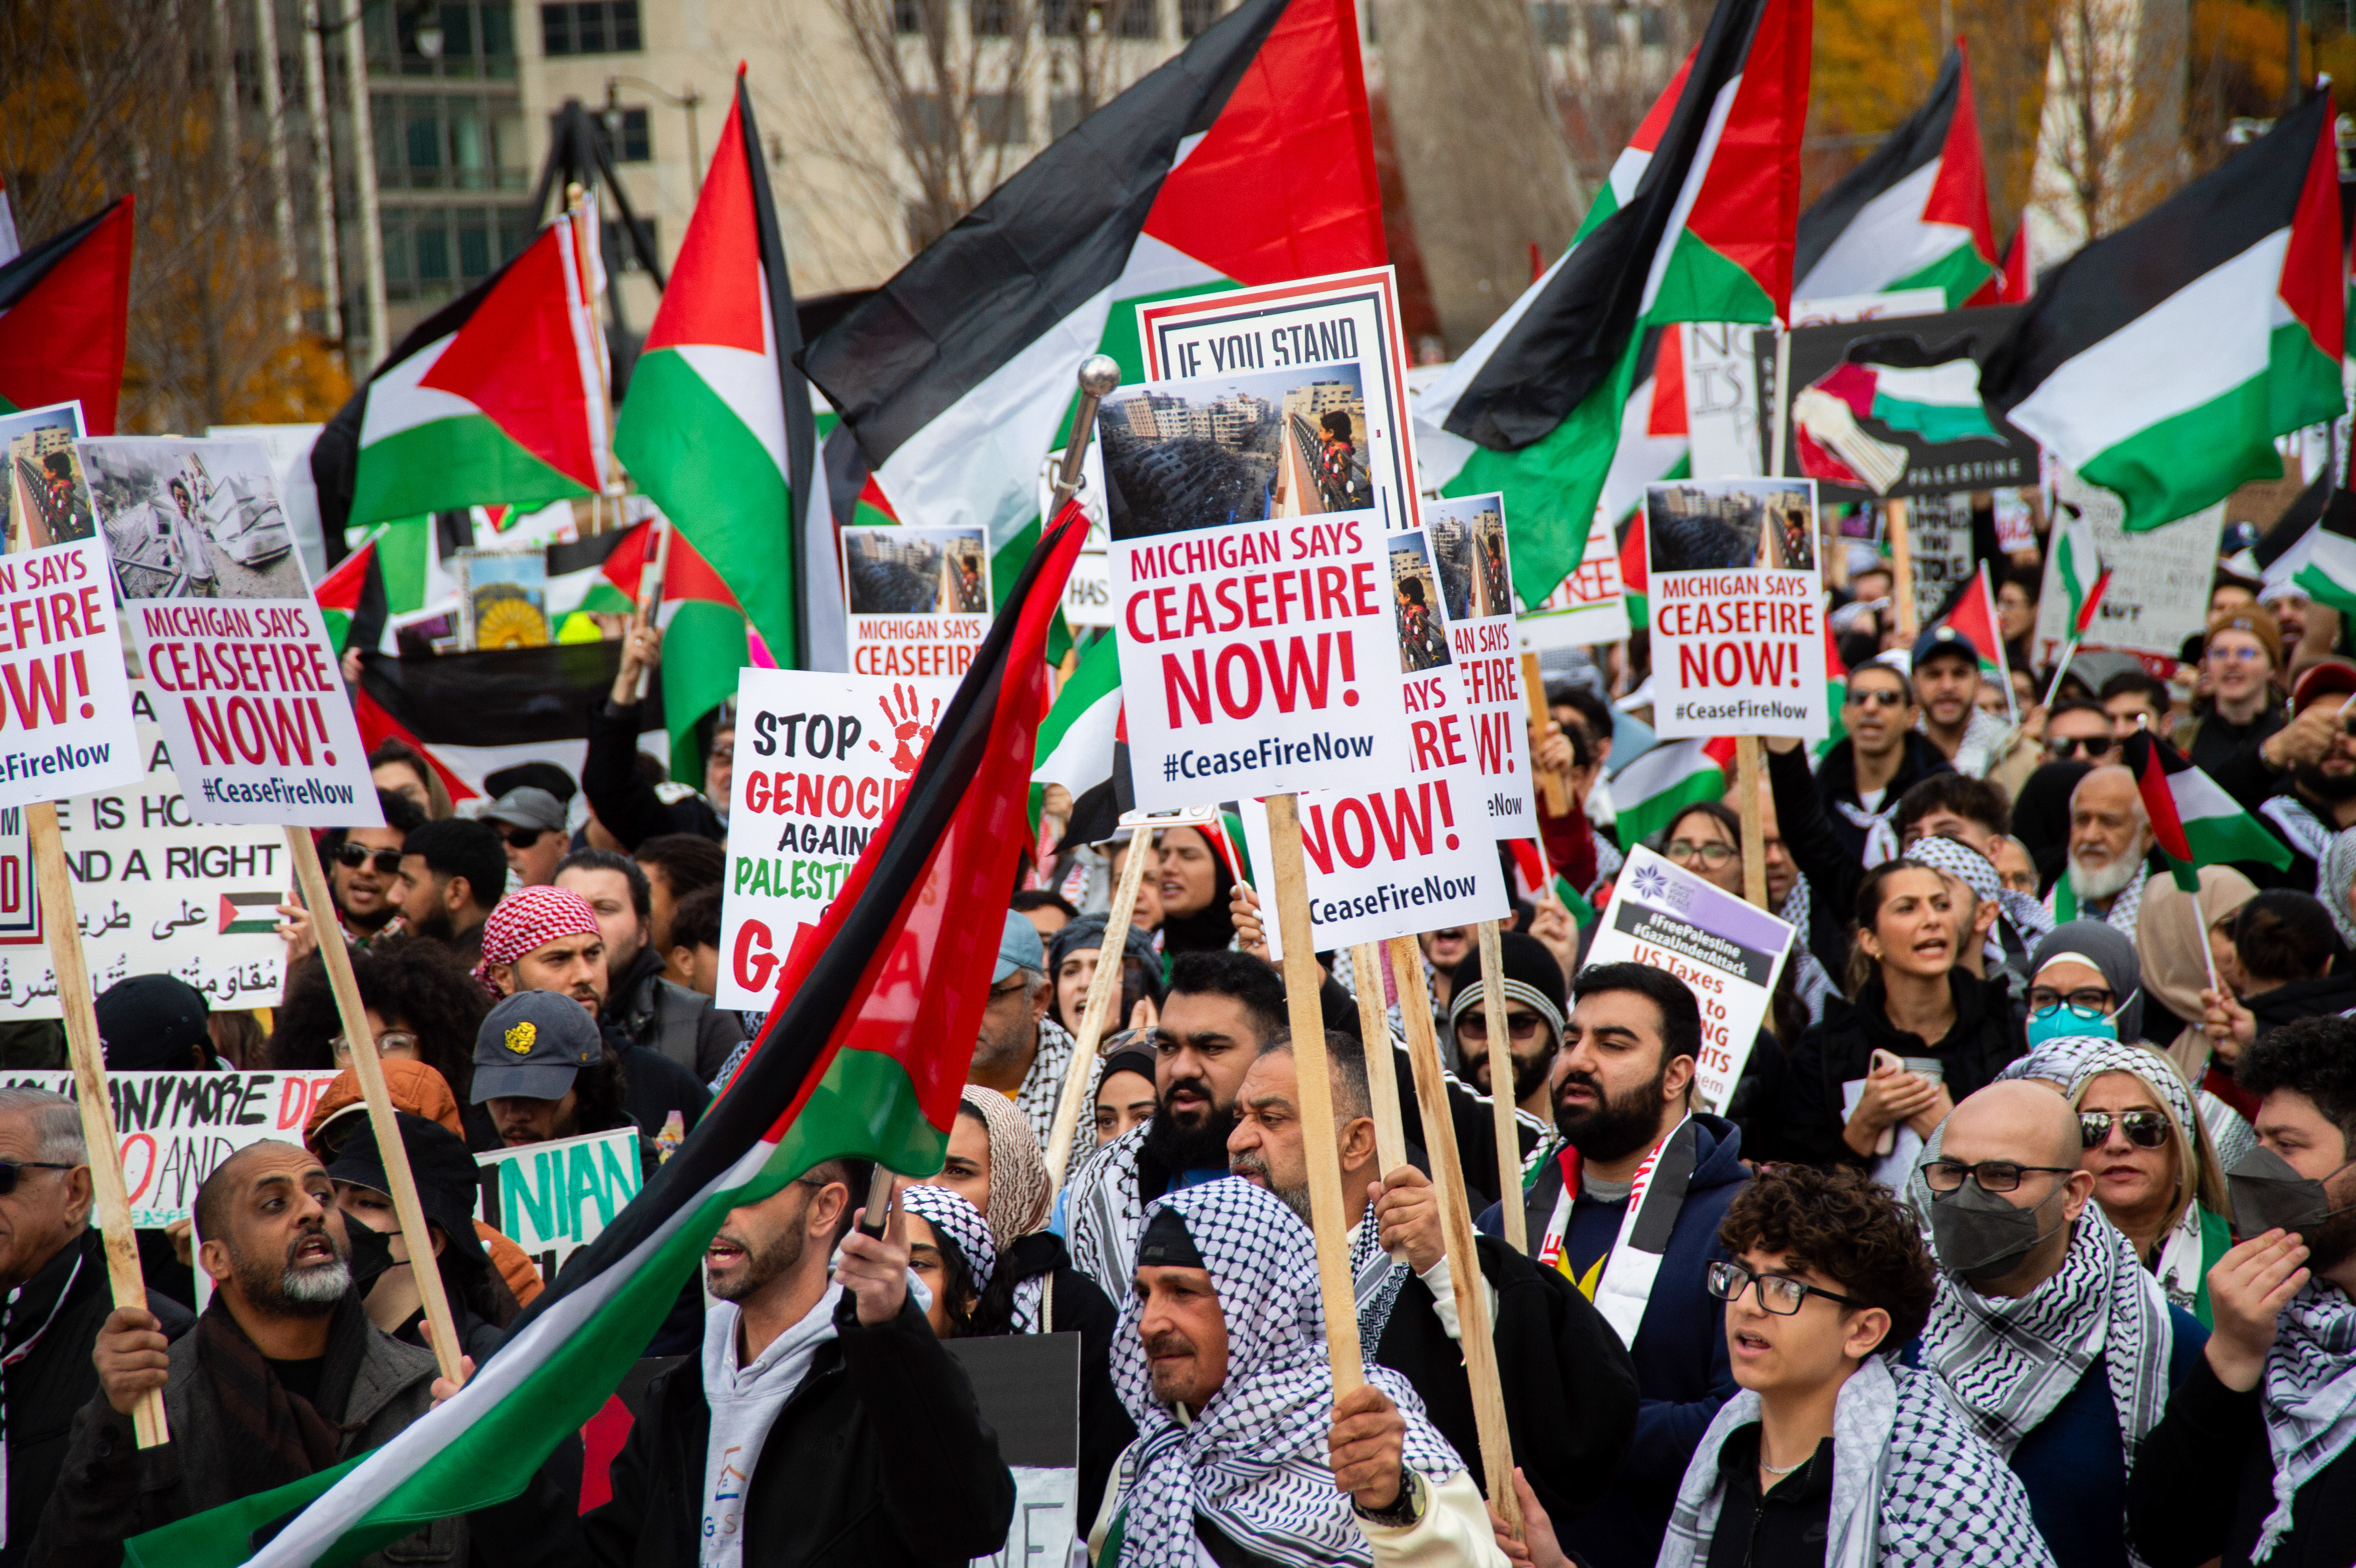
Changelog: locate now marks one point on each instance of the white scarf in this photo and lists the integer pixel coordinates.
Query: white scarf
(2310, 1398)
(1653, 1198)
(744, 1405)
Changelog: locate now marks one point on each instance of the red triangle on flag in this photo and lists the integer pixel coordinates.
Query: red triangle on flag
(518, 360)
(1667, 415)
(1959, 193)
(1633, 571)
(1748, 209)
(687, 576)
(341, 589)
(65, 319)
(715, 285)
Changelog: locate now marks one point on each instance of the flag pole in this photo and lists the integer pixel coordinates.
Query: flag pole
(1465, 1276)
(1099, 374)
(2068, 652)
(652, 575)
(424, 1267)
(1382, 1068)
(1103, 986)
(1501, 1084)
(1549, 783)
(61, 923)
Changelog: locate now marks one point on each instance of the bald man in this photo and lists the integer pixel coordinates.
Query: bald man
(2050, 1332)
(2110, 844)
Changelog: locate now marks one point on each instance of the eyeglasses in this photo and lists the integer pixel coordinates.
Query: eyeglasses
(524, 837)
(2061, 747)
(354, 856)
(1778, 1293)
(1710, 852)
(1474, 1025)
(2145, 1129)
(2237, 654)
(398, 1042)
(1876, 698)
(2090, 1002)
(11, 1170)
(1993, 1175)
(1012, 986)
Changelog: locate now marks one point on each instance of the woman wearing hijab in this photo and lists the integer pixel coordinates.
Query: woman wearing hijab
(1125, 1093)
(2084, 980)
(1071, 955)
(2157, 1174)
(2171, 929)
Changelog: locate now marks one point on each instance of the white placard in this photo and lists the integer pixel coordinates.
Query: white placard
(65, 702)
(1587, 608)
(918, 600)
(1087, 592)
(1726, 951)
(820, 758)
(1386, 862)
(553, 1199)
(1939, 532)
(244, 676)
(1469, 549)
(1738, 648)
(2159, 592)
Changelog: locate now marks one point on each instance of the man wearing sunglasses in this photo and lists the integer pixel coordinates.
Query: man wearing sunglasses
(2078, 731)
(1866, 772)
(2054, 1340)
(1535, 1005)
(364, 867)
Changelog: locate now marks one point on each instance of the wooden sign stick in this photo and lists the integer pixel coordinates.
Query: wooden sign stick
(61, 923)
(1754, 829)
(1329, 1217)
(1382, 1068)
(1456, 1230)
(1500, 1089)
(651, 578)
(1549, 783)
(1103, 986)
(1902, 573)
(422, 1264)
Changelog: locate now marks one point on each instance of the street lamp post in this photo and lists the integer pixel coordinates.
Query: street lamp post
(689, 102)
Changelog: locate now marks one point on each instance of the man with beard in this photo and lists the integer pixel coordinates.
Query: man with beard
(542, 1073)
(1628, 1211)
(1869, 769)
(1947, 679)
(1571, 1392)
(1221, 1009)
(650, 1012)
(2301, 780)
(2110, 846)
(2255, 1459)
(1021, 1051)
(1534, 1010)
(282, 1377)
(453, 874)
(2052, 1337)
(364, 870)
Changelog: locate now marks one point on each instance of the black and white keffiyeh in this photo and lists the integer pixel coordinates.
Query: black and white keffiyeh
(1253, 1459)
(1914, 1487)
(2180, 1263)
(1810, 980)
(1043, 1086)
(2305, 830)
(952, 1215)
(2310, 1398)
(1375, 1278)
(1104, 1211)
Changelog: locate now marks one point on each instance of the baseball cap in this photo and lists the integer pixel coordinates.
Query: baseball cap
(1019, 948)
(528, 806)
(538, 775)
(532, 1045)
(2326, 677)
(1941, 640)
(153, 1023)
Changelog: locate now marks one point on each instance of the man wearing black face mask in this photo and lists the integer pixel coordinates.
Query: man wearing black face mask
(2255, 1460)
(2050, 1334)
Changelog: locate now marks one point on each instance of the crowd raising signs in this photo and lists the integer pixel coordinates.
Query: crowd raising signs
(1738, 637)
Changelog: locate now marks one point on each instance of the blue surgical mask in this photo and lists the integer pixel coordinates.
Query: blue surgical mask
(2063, 1021)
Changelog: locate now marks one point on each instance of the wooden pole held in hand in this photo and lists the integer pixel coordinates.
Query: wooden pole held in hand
(651, 579)
(422, 1264)
(1464, 1278)
(1329, 1217)
(1382, 1068)
(1501, 1088)
(61, 924)
(1549, 783)
(1747, 775)
(1103, 986)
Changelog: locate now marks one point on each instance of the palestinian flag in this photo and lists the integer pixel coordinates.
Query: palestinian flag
(1912, 215)
(1647, 795)
(1971, 615)
(2328, 574)
(717, 426)
(2017, 274)
(1695, 224)
(496, 397)
(1247, 159)
(65, 319)
(1836, 692)
(1636, 570)
(2195, 822)
(1535, 879)
(1655, 440)
(2075, 569)
(352, 599)
(1082, 738)
(247, 914)
(862, 1057)
(2162, 361)
(1905, 384)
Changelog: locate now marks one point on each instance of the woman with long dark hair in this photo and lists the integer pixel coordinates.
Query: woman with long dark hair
(1195, 887)
(422, 1005)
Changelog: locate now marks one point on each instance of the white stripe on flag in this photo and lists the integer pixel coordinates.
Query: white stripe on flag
(1885, 242)
(1659, 769)
(2200, 798)
(1083, 755)
(396, 403)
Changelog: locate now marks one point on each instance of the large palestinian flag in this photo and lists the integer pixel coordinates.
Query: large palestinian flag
(1247, 159)
(1912, 215)
(2162, 361)
(1651, 790)
(496, 397)
(65, 318)
(1695, 224)
(862, 1057)
(717, 425)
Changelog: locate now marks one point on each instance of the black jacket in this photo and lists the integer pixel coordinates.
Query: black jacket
(1476, 1131)
(48, 1388)
(2321, 996)
(630, 808)
(2251, 780)
(1570, 1387)
(1819, 852)
(683, 1025)
(879, 1458)
(1836, 779)
(1986, 1035)
(2203, 1483)
(2224, 750)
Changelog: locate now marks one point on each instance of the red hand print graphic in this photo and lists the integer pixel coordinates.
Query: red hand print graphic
(901, 708)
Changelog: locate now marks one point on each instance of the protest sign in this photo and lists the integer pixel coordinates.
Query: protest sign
(1738, 646)
(43, 498)
(1476, 589)
(1027, 1387)
(244, 673)
(1729, 952)
(1345, 437)
(155, 893)
(553, 1199)
(1939, 532)
(174, 1128)
(820, 758)
(2159, 591)
(918, 599)
(65, 702)
(1388, 861)
(1723, 376)
(1589, 607)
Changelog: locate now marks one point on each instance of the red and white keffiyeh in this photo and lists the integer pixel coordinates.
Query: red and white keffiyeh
(526, 920)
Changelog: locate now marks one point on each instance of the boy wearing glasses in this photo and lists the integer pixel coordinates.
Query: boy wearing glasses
(2051, 1335)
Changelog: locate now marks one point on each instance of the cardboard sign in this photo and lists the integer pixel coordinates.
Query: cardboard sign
(918, 599)
(155, 893)
(245, 677)
(1587, 608)
(1939, 532)
(43, 498)
(177, 1127)
(820, 758)
(1027, 1387)
(1738, 647)
(65, 702)
(2155, 600)
(1728, 952)
(1476, 588)
(553, 1199)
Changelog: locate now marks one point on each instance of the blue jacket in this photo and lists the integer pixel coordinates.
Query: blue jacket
(1683, 1372)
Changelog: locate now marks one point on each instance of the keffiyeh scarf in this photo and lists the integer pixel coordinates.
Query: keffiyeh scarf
(2310, 1398)
(1043, 1086)
(528, 920)
(2334, 877)
(1912, 1486)
(1375, 1278)
(2306, 830)
(1810, 982)
(1104, 1211)
(1253, 1460)
(951, 1215)
(2181, 1265)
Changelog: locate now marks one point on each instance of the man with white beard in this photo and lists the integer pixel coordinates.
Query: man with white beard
(2110, 839)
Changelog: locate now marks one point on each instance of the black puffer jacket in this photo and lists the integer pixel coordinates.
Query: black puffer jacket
(1986, 1035)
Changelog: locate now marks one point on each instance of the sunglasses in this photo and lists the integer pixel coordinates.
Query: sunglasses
(2061, 747)
(2145, 1129)
(354, 856)
(1474, 1025)
(1778, 1293)
(525, 837)
(1877, 699)
(10, 1171)
(1710, 852)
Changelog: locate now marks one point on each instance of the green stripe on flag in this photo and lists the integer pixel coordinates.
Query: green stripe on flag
(704, 646)
(447, 463)
(1960, 273)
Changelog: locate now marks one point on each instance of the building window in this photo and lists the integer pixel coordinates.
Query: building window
(631, 142)
(434, 253)
(1138, 18)
(590, 27)
(993, 18)
(1001, 119)
(1195, 17)
(1552, 19)
(932, 125)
